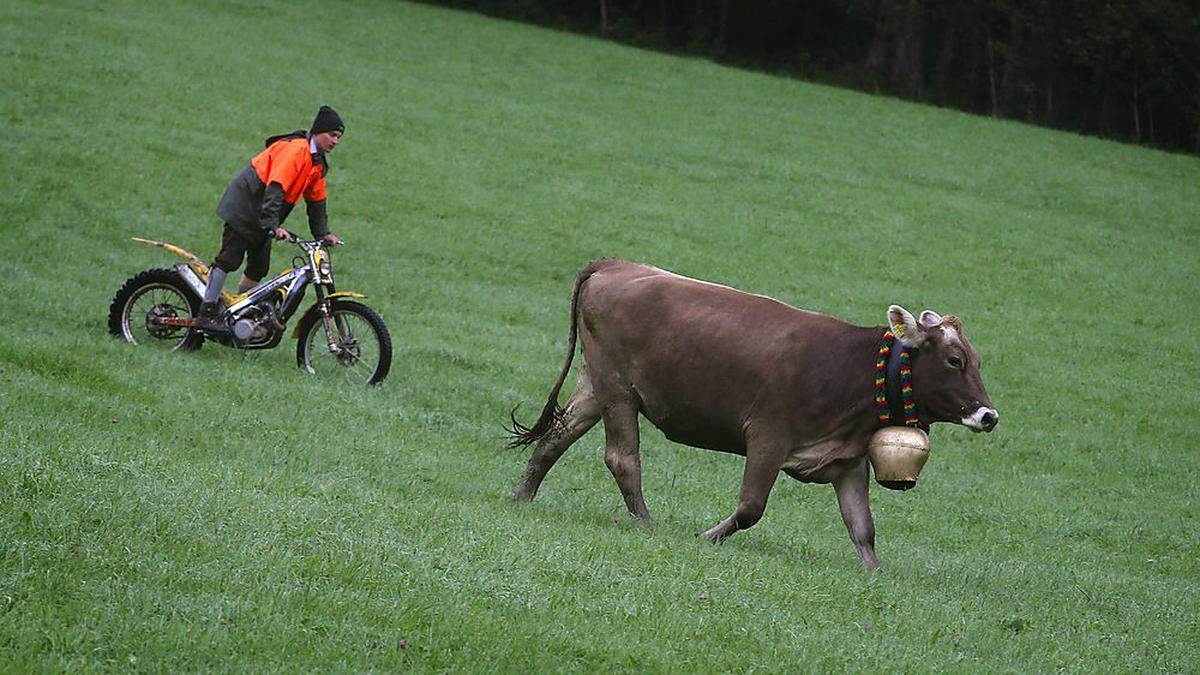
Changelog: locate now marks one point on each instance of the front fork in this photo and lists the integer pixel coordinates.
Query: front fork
(333, 333)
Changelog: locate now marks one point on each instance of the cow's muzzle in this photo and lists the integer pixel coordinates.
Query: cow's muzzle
(983, 419)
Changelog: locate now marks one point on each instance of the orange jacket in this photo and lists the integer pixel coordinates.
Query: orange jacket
(289, 163)
(262, 195)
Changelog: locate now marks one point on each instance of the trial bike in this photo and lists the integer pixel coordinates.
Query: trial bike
(336, 336)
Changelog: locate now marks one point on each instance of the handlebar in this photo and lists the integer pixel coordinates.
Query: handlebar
(309, 243)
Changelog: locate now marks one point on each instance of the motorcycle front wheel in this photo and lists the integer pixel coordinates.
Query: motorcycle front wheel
(146, 298)
(362, 350)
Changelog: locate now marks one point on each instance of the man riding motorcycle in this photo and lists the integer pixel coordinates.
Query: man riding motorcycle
(261, 197)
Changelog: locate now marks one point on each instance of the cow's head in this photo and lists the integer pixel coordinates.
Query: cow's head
(946, 383)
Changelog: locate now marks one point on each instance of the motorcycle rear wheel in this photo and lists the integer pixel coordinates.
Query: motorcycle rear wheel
(151, 295)
(364, 349)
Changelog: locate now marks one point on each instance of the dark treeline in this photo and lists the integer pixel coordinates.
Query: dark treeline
(1124, 69)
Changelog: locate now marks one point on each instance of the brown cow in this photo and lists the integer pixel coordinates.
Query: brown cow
(717, 368)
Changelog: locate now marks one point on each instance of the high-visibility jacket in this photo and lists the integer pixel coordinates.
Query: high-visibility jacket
(262, 195)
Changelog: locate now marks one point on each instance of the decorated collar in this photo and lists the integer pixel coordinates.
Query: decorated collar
(893, 367)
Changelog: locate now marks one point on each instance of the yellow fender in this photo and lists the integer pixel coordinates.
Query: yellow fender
(195, 263)
(199, 268)
(313, 308)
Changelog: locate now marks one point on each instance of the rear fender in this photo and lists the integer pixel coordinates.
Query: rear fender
(193, 262)
(199, 271)
(198, 278)
(313, 308)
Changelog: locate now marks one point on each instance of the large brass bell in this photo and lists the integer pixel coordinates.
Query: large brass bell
(897, 455)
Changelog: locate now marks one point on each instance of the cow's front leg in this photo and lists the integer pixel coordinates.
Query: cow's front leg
(762, 468)
(853, 488)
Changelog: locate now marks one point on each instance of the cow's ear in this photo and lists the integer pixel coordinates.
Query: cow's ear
(905, 327)
(930, 318)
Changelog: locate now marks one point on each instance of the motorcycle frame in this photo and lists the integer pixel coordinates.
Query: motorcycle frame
(292, 282)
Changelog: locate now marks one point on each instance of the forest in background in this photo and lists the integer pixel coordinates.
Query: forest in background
(1122, 69)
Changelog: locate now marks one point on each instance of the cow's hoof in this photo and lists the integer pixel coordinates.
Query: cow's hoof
(720, 530)
(520, 496)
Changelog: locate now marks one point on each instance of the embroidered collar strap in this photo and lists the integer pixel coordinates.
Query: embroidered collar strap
(893, 370)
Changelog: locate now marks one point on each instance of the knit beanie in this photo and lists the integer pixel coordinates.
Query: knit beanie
(327, 120)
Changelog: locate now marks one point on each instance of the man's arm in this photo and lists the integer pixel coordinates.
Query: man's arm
(318, 219)
(272, 206)
(285, 170)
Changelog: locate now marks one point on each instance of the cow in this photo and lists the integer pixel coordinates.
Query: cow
(718, 368)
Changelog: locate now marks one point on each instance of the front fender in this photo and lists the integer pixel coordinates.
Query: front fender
(313, 308)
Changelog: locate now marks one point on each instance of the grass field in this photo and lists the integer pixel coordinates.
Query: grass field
(222, 510)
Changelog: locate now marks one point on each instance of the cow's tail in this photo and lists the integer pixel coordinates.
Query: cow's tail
(552, 413)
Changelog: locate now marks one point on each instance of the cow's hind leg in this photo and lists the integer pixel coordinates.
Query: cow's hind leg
(621, 454)
(580, 414)
(763, 461)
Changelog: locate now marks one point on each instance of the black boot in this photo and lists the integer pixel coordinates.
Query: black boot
(208, 320)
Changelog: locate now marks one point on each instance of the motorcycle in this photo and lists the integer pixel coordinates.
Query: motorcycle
(335, 335)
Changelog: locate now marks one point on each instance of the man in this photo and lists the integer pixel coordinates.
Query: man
(260, 198)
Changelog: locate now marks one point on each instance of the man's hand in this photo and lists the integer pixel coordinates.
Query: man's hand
(332, 239)
(282, 234)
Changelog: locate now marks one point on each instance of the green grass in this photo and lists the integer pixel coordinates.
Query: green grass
(221, 510)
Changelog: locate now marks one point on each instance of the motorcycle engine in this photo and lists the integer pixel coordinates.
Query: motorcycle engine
(257, 323)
